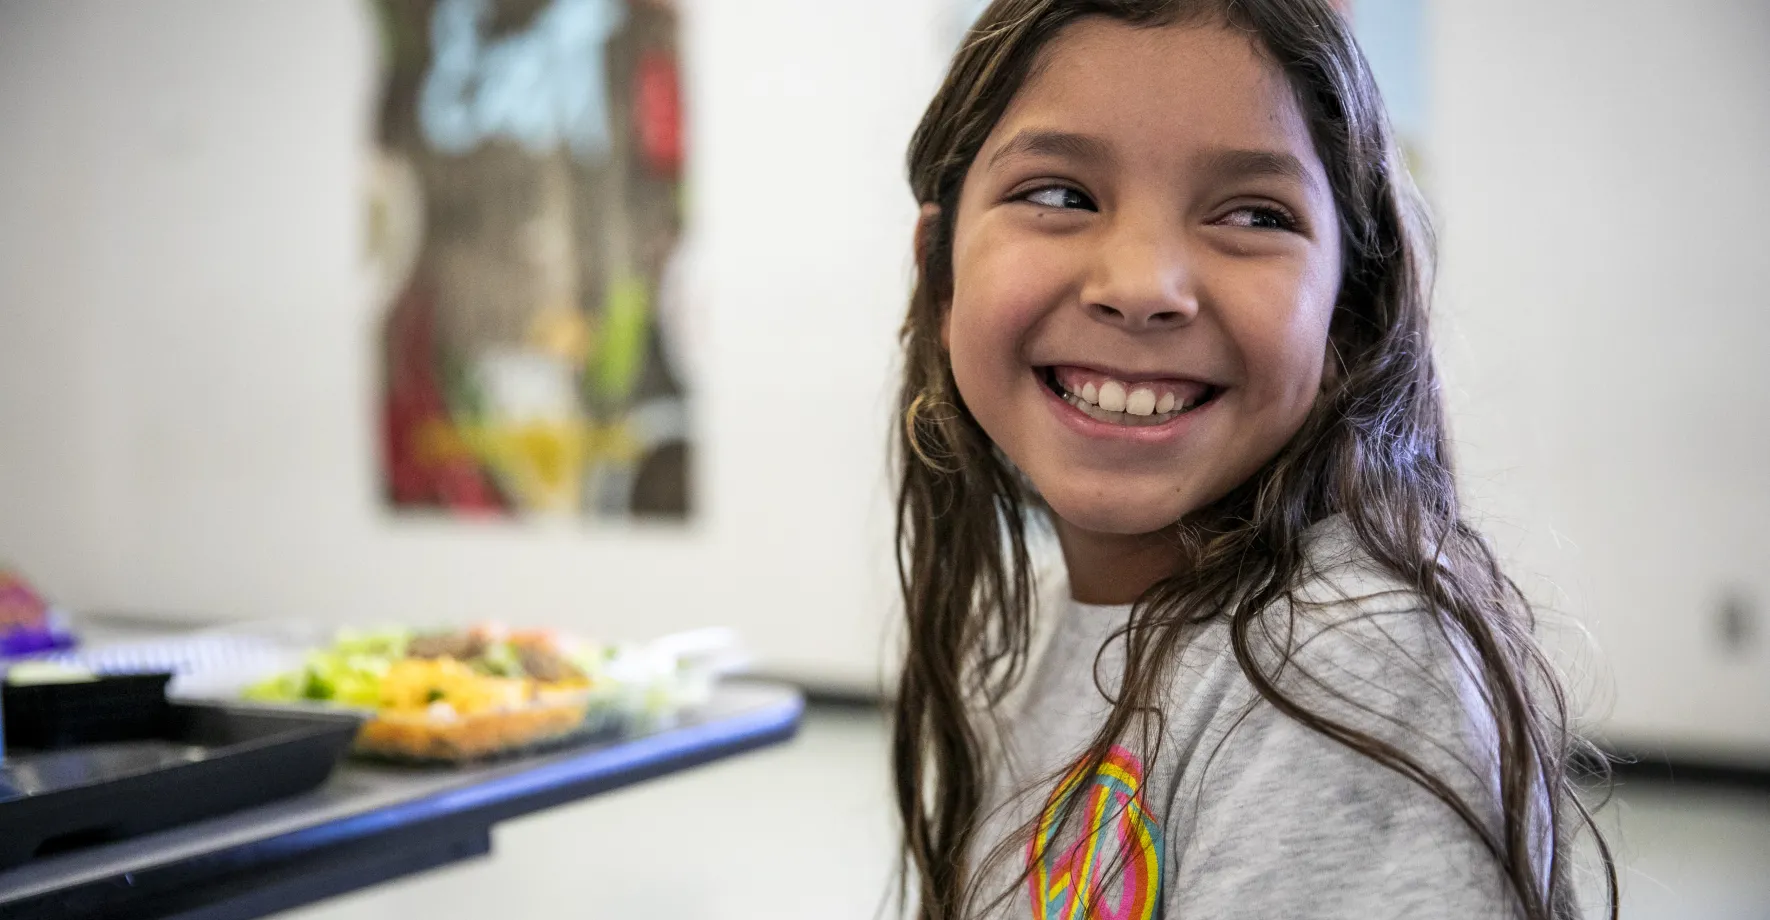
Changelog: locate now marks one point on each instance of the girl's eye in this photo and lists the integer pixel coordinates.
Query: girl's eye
(1059, 196)
(1260, 217)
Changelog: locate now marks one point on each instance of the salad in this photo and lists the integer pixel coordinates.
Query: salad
(486, 690)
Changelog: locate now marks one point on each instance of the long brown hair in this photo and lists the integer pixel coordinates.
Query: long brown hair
(1374, 450)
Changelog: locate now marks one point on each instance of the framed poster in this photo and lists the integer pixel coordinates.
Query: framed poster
(525, 220)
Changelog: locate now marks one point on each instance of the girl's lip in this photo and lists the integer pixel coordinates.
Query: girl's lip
(1130, 377)
(1090, 427)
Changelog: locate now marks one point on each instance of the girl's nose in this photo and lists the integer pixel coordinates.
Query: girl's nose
(1142, 283)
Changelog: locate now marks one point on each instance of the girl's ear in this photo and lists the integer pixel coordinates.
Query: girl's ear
(1332, 368)
(927, 223)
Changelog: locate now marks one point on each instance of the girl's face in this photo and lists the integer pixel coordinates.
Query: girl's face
(1145, 259)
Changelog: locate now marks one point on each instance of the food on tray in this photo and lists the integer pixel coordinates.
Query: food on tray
(487, 690)
(441, 708)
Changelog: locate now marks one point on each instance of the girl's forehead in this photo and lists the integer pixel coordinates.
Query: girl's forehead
(1167, 88)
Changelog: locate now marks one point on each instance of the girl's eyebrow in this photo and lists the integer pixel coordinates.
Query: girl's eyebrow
(1242, 164)
(1034, 142)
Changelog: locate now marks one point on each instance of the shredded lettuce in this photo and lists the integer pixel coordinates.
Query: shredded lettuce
(349, 673)
(499, 660)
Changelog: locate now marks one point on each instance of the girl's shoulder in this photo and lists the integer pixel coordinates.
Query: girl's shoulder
(1340, 576)
(1343, 604)
(1351, 642)
(1347, 609)
(1358, 662)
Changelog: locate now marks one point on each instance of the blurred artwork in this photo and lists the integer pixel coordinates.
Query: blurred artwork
(525, 224)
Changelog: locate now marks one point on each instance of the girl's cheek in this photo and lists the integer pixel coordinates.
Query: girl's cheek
(1002, 295)
(1281, 331)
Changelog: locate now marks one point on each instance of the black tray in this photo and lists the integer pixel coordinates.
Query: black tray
(126, 707)
(208, 760)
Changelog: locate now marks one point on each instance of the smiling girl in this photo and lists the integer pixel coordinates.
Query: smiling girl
(1172, 303)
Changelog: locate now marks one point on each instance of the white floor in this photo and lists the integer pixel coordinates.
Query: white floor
(804, 831)
(1690, 853)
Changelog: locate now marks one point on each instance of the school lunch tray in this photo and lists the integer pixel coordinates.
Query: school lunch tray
(204, 760)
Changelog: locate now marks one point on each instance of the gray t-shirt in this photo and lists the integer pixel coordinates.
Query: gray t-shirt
(1232, 809)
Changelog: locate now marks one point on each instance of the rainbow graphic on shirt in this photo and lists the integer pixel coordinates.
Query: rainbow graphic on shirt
(1114, 871)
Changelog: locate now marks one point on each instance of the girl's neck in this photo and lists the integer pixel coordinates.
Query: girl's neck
(1112, 568)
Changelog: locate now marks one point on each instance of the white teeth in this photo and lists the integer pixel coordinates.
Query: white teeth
(1112, 396)
(1128, 419)
(1141, 401)
(1116, 403)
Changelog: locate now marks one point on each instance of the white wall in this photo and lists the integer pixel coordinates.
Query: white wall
(185, 365)
(185, 345)
(1604, 174)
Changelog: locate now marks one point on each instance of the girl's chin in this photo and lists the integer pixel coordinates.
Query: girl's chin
(1127, 519)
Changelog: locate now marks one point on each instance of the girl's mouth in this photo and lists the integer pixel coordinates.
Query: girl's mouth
(1138, 404)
